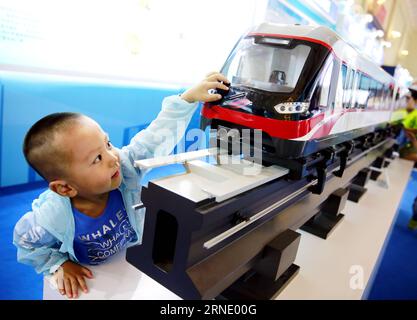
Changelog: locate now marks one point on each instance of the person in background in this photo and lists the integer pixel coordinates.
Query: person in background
(412, 224)
(409, 151)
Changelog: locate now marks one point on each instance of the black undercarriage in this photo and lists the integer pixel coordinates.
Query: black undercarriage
(304, 158)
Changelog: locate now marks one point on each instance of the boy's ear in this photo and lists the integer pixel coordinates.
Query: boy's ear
(62, 188)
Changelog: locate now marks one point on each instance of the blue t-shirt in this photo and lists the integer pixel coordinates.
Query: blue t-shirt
(97, 239)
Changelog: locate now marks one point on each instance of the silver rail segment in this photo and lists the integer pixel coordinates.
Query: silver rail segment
(228, 233)
(219, 238)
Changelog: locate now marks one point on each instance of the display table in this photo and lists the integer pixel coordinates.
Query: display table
(116, 280)
(341, 267)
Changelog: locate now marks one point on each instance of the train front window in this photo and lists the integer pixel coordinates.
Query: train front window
(266, 67)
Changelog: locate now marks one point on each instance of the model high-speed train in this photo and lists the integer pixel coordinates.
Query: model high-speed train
(305, 88)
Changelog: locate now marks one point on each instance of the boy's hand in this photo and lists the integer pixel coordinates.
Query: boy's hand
(200, 91)
(70, 276)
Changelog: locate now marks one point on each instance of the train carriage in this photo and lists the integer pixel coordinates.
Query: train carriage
(305, 88)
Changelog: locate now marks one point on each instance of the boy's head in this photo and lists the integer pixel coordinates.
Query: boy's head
(73, 154)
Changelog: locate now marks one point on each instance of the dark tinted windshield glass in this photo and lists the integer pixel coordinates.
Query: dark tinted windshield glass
(266, 67)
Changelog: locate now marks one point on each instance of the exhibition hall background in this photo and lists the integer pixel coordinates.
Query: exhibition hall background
(116, 60)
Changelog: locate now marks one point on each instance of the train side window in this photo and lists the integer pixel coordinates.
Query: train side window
(325, 86)
(351, 88)
(378, 95)
(339, 89)
(386, 96)
(372, 94)
(369, 83)
(355, 89)
(347, 89)
(382, 100)
(363, 91)
(391, 100)
(344, 75)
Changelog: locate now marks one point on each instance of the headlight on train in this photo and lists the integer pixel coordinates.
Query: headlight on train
(292, 107)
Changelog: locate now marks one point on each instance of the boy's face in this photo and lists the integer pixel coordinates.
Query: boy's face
(94, 165)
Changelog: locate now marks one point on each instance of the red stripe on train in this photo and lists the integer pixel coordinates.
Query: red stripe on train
(326, 127)
(284, 129)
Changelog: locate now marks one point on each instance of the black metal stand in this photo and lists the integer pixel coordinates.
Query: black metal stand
(323, 223)
(357, 188)
(258, 287)
(356, 193)
(378, 163)
(383, 162)
(271, 274)
(180, 246)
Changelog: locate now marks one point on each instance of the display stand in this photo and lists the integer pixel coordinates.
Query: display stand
(357, 188)
(376, 167)
(341, 267)
(344, 265)
(271, 274)
(324, 222)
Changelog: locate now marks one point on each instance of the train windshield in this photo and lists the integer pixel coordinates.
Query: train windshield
(264, 66)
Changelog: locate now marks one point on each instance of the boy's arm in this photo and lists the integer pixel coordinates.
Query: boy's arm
(163, 133)
(161, 136)
(36, 246)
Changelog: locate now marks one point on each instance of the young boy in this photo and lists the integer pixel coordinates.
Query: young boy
(86, 216)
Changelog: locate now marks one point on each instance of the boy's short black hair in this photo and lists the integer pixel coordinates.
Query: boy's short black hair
(48, 160)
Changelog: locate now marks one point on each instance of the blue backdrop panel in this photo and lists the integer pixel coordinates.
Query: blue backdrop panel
(121, 110)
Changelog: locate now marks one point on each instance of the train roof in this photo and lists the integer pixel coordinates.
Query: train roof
(321, 33)
(328, 38)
